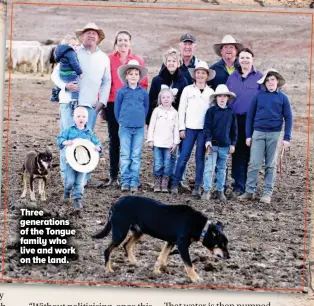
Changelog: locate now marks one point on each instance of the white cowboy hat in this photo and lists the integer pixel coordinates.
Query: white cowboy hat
(132, 64)
(202, 65)
(281, 80)
(82, 156)
(91, 26)
(227, 40)
(222, 89)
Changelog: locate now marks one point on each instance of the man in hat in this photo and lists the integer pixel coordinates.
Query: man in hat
(95, 83)
(227, 50)
(267, 112)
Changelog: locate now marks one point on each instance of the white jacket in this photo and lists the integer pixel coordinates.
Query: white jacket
(193, 107)
(163, 129)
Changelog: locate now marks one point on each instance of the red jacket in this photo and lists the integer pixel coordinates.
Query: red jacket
(115, 81)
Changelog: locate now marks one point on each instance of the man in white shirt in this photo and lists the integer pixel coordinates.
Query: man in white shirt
(93, 87)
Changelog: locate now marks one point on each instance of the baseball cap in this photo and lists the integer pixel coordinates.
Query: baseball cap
(188, 37)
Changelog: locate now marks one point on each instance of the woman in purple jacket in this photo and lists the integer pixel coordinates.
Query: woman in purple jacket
(243, 82)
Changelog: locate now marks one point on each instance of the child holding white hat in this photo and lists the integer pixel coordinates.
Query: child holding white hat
(75, 179)
(220, 129)
(194, 103)
(130, 109)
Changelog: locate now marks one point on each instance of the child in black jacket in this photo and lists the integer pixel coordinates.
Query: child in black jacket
(221, 131)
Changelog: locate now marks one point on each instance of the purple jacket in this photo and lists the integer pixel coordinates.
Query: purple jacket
(245, 89)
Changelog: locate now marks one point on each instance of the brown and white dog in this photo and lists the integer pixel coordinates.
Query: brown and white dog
(36, 166)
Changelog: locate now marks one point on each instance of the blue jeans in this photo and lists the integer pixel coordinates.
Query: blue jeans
(218, 157)
(73, 77)
(162, 162)
(76, 180)
(264, 146)
(192, 136)
(174, 161)
(131, 144)
(66, 120)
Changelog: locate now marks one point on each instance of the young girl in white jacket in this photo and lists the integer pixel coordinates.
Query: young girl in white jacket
(163, 137)
(194, 103)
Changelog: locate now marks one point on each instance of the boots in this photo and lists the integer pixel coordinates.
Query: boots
(221, 196)
(157, 184)
(164, 184)
(206, 196)
(197, 191)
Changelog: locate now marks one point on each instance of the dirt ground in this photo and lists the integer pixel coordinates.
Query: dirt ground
(266, 241)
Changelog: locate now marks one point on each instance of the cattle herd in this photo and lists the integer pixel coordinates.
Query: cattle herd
(30, 56)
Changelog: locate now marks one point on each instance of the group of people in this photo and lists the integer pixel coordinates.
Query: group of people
(227, 108)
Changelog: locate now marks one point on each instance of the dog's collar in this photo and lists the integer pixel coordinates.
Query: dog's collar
(204, 231)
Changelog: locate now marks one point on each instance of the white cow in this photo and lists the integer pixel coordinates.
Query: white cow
(28, 55)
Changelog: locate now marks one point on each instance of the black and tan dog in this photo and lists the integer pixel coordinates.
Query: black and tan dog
(36, 166)
(176, 224)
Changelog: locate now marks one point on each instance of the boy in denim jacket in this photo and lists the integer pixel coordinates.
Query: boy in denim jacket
(130, 109)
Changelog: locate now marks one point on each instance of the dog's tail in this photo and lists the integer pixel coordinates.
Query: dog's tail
(106, 230)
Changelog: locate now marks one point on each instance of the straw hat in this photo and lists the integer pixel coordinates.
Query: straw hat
(227, 40)
(91, 26)
(132, 64)
(202, 65)
(281, 80)
(222, 89)
(82, 156)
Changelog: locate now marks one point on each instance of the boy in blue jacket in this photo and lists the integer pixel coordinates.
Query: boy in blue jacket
(263, 126)
(221, 131)
(130, 109)
(70, 69)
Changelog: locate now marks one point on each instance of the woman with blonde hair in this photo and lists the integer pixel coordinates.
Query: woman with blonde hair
(169, 76)
(121, 56)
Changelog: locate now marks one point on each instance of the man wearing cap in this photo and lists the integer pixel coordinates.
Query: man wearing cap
(227, 50)
(95, 83)
(187, 47)
(187, 50)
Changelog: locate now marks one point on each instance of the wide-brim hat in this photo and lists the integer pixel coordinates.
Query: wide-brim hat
(281, 80)
(91, 26)
(203, 65)
(222, 89)
(227, 40)
(135, 65)
(82, 156)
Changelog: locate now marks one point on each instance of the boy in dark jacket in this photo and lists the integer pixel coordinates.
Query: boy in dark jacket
(221, 132)
(264, 122)
(70, 70)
